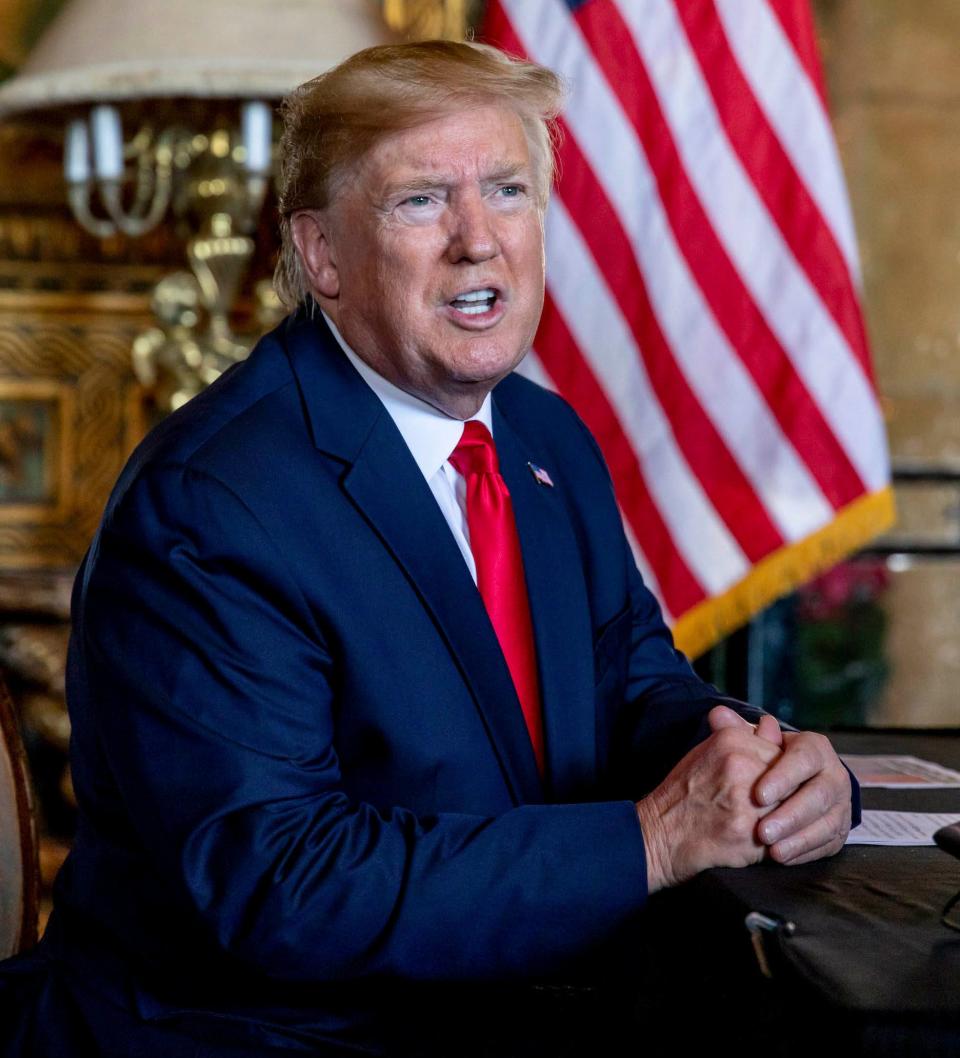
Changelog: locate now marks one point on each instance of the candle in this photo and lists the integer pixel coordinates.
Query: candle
(107, 142)
(257, 135)
(76, 153)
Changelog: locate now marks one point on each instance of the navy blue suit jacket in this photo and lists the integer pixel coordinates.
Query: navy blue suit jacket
(301, 765)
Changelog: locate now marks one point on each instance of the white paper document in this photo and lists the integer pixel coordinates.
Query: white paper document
(900, 828)
(899, 772)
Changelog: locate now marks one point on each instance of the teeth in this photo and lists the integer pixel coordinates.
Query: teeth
(476, 295)
(475, 302)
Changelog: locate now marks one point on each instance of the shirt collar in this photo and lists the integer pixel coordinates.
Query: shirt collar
(430, 435)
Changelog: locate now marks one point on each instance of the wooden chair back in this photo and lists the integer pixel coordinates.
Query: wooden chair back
(19, 866)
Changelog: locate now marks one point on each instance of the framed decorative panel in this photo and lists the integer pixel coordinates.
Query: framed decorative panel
(36, 428)
(70, 413)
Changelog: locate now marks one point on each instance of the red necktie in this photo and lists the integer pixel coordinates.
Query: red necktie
(496, 551)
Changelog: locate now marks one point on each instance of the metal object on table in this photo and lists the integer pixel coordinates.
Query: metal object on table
(758, 924)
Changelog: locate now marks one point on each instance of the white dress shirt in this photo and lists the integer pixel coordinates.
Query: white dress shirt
(431, 437)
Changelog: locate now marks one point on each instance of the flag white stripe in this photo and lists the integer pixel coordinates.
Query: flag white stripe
(608, 345)
(712, 368)
(830, 366)
(779, 286)
(531, 367)
(646, 571)
(793, 107)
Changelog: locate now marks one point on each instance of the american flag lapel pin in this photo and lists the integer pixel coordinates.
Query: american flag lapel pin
(540, 476)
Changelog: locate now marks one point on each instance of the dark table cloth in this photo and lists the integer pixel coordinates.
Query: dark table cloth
(866, 966)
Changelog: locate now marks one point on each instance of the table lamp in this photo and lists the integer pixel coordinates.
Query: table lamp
(120, 75)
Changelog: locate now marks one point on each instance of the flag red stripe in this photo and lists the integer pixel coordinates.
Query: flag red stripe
(563, 361)
(797, 21)
(776, 181)
(599, 250)
(705, 452)
(497, 29)
(797, 413)
(718, 472)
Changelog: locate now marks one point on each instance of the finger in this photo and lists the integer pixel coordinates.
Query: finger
(768, 728)
(804, 756)
(722, 716)
(825, 838)
(817, 807)
(820, 853)
(753, 756)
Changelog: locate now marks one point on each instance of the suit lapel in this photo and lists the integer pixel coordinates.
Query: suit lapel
(558, 602)
(387, 485)
(384, 482)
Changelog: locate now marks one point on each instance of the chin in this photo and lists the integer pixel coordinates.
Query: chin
(489, 364)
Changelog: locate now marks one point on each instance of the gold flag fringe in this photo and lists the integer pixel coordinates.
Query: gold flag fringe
(783, 571)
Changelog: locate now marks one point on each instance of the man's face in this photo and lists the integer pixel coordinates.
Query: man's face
(430, 259)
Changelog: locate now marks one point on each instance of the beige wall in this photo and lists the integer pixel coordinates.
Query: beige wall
(893, 70)
(893, 73)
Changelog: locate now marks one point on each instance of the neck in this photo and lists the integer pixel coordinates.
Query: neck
(456, 400)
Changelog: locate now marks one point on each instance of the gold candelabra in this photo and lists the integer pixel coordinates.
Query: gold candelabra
(121, 57)
(216, 184)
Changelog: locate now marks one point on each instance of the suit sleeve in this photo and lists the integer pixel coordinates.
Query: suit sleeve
(662, 710)
(655, 706)
(213, 690)
(665, 706)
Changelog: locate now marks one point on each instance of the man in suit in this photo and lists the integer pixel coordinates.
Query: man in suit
(368, 697)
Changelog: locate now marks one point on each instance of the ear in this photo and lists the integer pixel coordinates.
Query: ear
(311, 237)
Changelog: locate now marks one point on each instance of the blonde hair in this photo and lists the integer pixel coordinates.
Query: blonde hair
(330, 123)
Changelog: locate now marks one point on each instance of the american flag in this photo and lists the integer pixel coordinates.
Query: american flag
(702, 309)
(540, 475)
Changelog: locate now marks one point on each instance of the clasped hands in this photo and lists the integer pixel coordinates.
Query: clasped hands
(745, 793)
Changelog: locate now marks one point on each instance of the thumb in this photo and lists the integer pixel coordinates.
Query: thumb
(769, 728)
(721, 716)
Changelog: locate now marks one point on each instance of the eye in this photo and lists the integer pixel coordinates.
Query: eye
(422, 207)
(511, 190)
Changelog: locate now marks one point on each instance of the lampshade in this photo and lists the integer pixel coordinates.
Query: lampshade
(110, 50)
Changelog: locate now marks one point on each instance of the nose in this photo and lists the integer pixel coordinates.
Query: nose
(473, 236)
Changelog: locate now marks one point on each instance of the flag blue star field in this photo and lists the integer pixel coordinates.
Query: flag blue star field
(702, 311)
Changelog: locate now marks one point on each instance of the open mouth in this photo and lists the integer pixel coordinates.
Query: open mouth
(475, 302)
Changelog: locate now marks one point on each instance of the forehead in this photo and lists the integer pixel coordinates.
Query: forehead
(472, 142)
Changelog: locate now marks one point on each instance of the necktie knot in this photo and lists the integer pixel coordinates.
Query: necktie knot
(475, 453)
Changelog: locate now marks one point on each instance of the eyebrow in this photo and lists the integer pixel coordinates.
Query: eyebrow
(438, 181)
